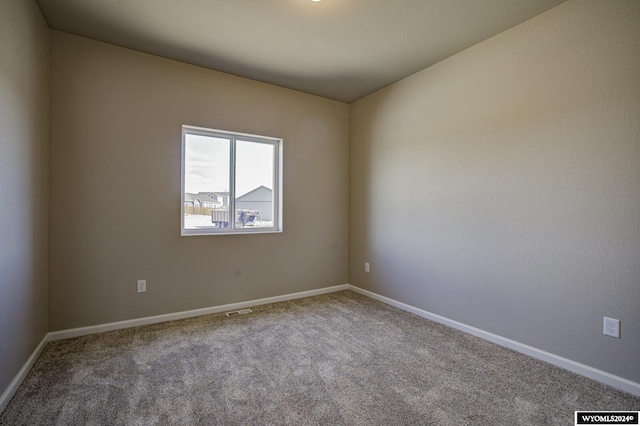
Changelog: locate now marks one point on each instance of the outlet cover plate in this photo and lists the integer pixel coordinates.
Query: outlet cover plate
(611, 327)
(142, 286)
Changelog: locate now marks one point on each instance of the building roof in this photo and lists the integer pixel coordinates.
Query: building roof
(191, 198)
(261, 193)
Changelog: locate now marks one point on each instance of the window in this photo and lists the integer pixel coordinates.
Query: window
(231, 182)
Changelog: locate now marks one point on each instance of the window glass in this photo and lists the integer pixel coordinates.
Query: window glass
(206, 180)
(254, 183)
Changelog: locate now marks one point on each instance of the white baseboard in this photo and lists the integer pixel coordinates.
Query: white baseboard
(83, 331)
(575, 367)
(22, 374)
(584, 370)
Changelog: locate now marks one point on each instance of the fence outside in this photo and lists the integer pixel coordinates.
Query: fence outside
(220, 217)
(204, 211)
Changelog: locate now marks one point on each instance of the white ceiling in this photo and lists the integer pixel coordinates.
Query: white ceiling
(339, 49)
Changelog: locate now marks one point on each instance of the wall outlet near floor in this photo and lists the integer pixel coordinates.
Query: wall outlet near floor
(142, 286)
(366, 266)
(612, 327)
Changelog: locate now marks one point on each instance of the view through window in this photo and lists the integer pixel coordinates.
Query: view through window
(231, 182)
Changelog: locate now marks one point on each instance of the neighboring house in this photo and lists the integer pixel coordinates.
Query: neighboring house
(224, 197)
(211, 200)
(260, 199)
(191, 200)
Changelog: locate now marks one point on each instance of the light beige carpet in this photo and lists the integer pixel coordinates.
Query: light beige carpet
(337, 359)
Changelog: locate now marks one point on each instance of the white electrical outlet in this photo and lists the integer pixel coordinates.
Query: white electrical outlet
(142, 286)
(366, 266)
(612, 327)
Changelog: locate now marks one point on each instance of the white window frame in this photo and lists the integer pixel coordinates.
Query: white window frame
(277, 182)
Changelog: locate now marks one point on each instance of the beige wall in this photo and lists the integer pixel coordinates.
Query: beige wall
(24, 139)
(501, 187)
(115, 187)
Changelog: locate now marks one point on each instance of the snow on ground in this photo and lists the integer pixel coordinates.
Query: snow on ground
(192, 221)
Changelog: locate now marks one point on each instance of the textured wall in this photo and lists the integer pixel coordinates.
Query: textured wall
(501, 187)
(24, 141)
(115, 187)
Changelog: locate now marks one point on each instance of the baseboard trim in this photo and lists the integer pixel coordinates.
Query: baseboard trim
(22, 374)
(83, 331)
(573, 366)
(584, 370)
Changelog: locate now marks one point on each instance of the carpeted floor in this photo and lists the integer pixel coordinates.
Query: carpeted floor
(337, 359)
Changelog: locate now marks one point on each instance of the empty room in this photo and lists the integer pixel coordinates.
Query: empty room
(312, 212)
